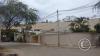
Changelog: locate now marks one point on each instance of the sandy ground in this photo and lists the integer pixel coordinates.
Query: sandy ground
(31, 50)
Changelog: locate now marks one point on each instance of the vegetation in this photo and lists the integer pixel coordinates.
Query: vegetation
(14, 12)
(80, 25)
(97, 27)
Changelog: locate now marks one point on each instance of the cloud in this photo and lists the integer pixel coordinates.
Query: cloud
(46, 7)
(42, 2)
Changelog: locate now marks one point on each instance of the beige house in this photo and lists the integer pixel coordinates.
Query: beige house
(63, 26)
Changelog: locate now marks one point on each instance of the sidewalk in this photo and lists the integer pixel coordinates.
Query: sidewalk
(16, 43)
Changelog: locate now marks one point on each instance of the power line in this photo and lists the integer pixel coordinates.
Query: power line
(81, 7)
(49, 15)
(64, 12)
(78, 8)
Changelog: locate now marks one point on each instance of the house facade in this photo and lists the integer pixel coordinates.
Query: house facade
(63, 26)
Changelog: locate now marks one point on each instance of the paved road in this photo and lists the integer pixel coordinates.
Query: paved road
(26, 50)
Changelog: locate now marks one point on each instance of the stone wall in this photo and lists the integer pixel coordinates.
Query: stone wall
(67, 39)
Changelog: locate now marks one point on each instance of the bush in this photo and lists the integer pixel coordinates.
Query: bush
(80, 25)
(97, 27)
(93, 31)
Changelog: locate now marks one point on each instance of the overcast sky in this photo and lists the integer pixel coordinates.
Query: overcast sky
(46, 7)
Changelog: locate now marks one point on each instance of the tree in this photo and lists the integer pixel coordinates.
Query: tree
(80, 25)
(14, 12)
(97, 27)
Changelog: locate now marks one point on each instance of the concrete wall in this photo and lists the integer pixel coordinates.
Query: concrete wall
(67, 39)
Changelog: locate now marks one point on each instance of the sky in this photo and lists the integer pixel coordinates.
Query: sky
(45, 7)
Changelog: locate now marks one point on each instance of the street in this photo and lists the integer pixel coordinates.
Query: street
(30, 50)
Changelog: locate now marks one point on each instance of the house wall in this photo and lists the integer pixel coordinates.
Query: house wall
(68, 39)
(63, 26)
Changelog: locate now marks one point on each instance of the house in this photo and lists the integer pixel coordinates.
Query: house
(63, 25)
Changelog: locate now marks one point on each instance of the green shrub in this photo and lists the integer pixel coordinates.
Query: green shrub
(80, 25)
(97, 27)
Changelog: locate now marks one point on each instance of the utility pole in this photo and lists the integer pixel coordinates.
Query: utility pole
(58, 28)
